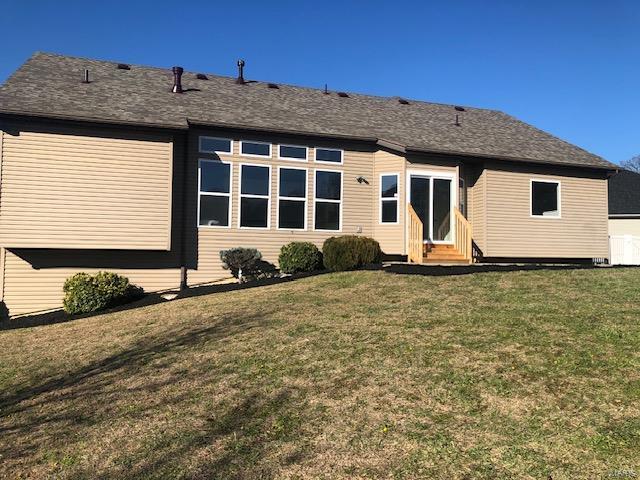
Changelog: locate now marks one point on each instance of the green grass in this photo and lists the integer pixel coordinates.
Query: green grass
(348, 375)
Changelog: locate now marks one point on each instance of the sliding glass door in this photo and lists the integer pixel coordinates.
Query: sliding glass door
(432, 199)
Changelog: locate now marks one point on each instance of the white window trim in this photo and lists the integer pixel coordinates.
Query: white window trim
(297, 199)
(215, 194)
(559, 199)
(389, 199)
(242, 142)
(315, 150)
(293, 159)
(219, 152)
(249, 195)
(316, 200)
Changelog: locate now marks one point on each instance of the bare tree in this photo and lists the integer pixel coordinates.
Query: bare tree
(632, 164)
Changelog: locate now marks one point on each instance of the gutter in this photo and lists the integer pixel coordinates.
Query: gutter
(378, 141)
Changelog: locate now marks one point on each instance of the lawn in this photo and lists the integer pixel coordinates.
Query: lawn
(350, 375)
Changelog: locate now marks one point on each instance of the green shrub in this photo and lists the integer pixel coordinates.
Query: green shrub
(349, 252)
(241, 261)
(85, 293)
(299, 257)
(4, 312)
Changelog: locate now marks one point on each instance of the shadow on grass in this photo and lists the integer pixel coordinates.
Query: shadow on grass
(445, 270)
(52, 413)
(59, 316)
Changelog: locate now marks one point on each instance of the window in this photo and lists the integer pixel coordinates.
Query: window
(292, 152)
(328, 155)
(328, 200)
(292, 198)
(255, 149)
(255, 187)
(389, 198)
(216, 145)
(214, 185)
(545, 198)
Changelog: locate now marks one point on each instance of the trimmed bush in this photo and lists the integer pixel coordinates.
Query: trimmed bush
(84, 293)
(299, 257)
(350, 252)
(241, 261)
(4, 312)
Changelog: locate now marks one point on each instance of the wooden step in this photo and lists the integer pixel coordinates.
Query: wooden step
(441, 256)
(445, 261)
(443, 253)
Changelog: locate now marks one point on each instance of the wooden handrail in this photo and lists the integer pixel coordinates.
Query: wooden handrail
(463, 235)
(415, 252)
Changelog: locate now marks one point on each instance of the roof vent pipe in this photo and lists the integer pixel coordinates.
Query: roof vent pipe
(240, 79)
(85, 78)
(177, 79)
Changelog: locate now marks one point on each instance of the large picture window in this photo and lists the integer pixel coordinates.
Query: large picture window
(255, 190)
(329, 155)
(545, 198)
(389, 198)
(214, 185)
(292, 152)
(292, 198)
(255, 149)
(216, 145)
(328, 200)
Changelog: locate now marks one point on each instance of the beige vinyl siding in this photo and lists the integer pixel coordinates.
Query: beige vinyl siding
(581, 232)
(32, 287)
(391, 237)
(85, 189)
(477, 205)
(624, 226)
(205, 245)
(2, 258)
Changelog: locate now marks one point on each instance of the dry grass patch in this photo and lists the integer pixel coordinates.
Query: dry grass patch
(348, 375)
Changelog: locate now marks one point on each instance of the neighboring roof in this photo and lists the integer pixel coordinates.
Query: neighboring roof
(50, 85)
(624, 193)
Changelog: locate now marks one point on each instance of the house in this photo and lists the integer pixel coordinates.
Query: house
(624, 217)
(150, 172)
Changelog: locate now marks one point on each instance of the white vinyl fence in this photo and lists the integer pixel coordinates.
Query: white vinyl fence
(624, 250)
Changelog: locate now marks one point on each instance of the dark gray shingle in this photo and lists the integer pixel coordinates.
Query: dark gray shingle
(50, 85)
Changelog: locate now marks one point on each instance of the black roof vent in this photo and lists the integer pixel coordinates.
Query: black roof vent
(272, 85)
(85, 78)
(123, 66)
(240, 78)
(177, 79)
(459, 109)
(403, 101)
(343, 95)
(201, 76)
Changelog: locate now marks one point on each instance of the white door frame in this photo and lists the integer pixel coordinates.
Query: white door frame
(431, 175)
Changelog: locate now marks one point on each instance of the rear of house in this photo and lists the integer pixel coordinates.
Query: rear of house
(106, 166)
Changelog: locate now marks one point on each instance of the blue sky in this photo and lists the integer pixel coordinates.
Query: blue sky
(569, 67)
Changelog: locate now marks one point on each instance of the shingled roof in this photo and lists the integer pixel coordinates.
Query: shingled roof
(50, 86)
(624, 193)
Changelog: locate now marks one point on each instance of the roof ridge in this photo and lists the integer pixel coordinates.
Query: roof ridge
(265, 82)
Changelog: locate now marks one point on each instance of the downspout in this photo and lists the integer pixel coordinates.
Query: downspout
(183, 230)
(3, 252)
